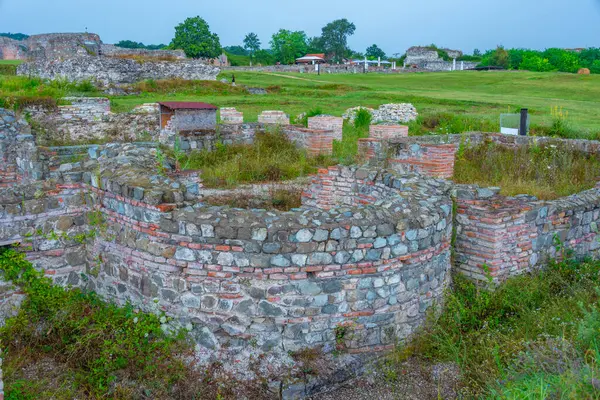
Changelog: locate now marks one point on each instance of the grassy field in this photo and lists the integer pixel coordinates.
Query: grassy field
(10, 62)
(466, 100)
(479, 95)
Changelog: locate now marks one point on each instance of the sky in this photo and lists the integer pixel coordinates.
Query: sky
(394, 25)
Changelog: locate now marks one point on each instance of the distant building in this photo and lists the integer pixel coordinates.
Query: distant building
(311, 59)
(183, 116)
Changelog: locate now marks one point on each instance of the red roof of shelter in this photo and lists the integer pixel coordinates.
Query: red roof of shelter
(187, 105)
(320, 55)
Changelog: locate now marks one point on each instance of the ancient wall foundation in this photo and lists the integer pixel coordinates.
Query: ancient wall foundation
(90, 119)
(111, 70)
(368, 252)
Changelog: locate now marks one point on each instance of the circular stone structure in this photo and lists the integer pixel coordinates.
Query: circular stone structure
(356, 266)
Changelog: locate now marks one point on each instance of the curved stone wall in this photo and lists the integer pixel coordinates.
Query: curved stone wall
(372, 263)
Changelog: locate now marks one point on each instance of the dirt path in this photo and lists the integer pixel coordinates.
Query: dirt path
(296, 77)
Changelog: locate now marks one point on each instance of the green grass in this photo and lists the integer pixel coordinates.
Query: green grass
(10, 62)
(535, 337)
(475, 99)
(474, 95)
(547, 172)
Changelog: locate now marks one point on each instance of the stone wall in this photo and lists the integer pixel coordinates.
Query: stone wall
(18, 153)
(50, 46)
(110, 50)
(387, 132)
(328, 123)
(428, 59)
(90, 119)
(109, 70)
(11, 49)
(190, 120)
(427, 155)
(283, 280)
(315, 141)
(287, 280)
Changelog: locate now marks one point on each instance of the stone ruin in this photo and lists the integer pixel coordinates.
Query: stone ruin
(368, 251)
(428, 59)
(83, 56)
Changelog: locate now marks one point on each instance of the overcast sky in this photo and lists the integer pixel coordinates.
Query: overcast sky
(394, 25)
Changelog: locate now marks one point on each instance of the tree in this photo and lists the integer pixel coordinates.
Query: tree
(286, 45)
(499, 58)
(477, 53)
(130, 44)
(334, 38)
(236, 50)
(314, 45)
(375, 52)
(532, 62)
(264, 57)
(195, 38)
(15, 36)
(252, 43)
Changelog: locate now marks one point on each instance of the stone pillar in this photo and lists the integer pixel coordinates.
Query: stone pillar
(462, 65)
(454, 64)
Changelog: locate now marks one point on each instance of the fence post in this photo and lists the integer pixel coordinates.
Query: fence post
(523, 126)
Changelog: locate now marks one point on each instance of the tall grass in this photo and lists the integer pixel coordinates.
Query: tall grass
(534, 334)
(547, 172)
(272, 157)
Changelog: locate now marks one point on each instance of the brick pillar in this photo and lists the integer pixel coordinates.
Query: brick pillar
(493, 234)
(335, 124)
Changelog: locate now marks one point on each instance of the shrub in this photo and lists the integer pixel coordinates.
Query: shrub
(362, 119)
(8, 69)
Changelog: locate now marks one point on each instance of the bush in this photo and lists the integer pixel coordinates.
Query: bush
(362, 119)
(8, 69)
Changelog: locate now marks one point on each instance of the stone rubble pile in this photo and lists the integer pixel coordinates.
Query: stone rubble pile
(394, 112)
